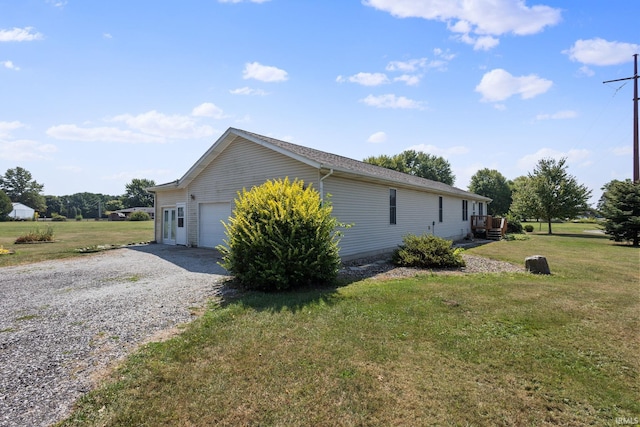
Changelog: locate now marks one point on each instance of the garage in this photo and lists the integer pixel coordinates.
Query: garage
(211, 233)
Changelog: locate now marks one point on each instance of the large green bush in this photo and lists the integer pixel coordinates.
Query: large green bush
(139, 216)
(427, 251)
(281, 236)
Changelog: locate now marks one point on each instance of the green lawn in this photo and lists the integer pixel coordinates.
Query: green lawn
(69, 236)
(476, 350)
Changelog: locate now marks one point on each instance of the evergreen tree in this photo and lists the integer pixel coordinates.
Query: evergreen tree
(620, 206)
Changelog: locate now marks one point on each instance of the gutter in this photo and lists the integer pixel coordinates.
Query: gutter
(322, 185)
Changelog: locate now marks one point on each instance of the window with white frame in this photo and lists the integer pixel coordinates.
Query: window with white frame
(465, 210)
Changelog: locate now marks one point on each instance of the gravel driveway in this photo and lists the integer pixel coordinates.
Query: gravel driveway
(63, 322)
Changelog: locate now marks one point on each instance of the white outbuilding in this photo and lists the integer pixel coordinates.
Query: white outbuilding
(21, 212)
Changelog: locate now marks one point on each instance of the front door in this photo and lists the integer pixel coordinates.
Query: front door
(169, 226)
(181, 232)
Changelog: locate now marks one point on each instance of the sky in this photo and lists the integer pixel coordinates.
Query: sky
(97, 93)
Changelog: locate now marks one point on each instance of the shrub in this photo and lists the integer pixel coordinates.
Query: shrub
(139, 216)
(78, 217)
(37, 235)
(528, 228)
(513, 224)
(57, 217)
(427, 251)
(281, 236)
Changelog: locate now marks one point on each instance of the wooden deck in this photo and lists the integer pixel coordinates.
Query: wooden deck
(492, 228)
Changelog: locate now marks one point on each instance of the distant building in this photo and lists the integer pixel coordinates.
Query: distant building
(21, 212)
(129, 211)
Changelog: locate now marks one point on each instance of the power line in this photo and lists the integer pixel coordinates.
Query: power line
(636, 161)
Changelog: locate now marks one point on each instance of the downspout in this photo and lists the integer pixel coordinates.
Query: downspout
(322, 185)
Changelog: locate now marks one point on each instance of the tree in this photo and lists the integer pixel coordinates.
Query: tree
(137, 195)
(20, 186)
(5, 205)
(556, 193)
(523, 201)
(416, 163)
(491, 183)
(620, 206)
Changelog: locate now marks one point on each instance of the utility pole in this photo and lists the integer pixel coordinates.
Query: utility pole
(636, 162)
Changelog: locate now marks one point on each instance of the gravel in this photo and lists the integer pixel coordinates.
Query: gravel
(63, 322)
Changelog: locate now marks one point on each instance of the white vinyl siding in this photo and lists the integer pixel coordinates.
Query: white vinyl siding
(243, 164)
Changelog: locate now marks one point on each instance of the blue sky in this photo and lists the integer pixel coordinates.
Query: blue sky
(96, 93)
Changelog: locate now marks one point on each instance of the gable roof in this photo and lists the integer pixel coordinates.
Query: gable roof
(321, 160)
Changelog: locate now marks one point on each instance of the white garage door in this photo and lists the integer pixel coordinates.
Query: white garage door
(211, 231)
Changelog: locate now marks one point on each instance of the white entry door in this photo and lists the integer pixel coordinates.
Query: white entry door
(181, 226)
(169, 226)
(211, 231)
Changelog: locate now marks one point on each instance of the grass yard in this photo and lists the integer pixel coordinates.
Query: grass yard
(446, 350)
(69, 236)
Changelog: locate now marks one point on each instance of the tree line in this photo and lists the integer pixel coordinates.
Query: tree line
(18, 186)
(547, 193)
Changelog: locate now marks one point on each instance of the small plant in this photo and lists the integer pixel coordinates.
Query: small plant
(37, 235)
(57, 217)
(427, 251)
(528, 228)
(4, 251)
(78, 217)
(513, 224)
(139, 216)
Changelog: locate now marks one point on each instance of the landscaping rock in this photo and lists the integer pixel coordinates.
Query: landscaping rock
(537, 264)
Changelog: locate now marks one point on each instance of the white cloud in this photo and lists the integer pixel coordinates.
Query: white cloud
(377, 138)
(625, 150)
(208, 109)
(100, 134)
(407, 66)
(408, 79)
(264, 73)
(248, 91)
(10, 65)
(19, 35)
(392, 101)
(149, 127)
(7, 127)
(107, 36)
(25, 150)
(560, 115)
(444, 152)
(598, 51)
(586, 71)
(161, 125)
(476, 20)
(365, 79)
(573, 156)
(498, 85)
(57, 3)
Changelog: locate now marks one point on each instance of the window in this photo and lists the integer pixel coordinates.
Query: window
(480, 209)
(465, 210)
(440, 209)
(392, 206)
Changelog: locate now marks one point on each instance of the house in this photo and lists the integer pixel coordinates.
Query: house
(21, 212)
(128, 211)
(381, 204)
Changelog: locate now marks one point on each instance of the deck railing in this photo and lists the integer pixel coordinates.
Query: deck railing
(486, 223)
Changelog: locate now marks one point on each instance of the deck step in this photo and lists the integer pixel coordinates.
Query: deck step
(494, 234)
